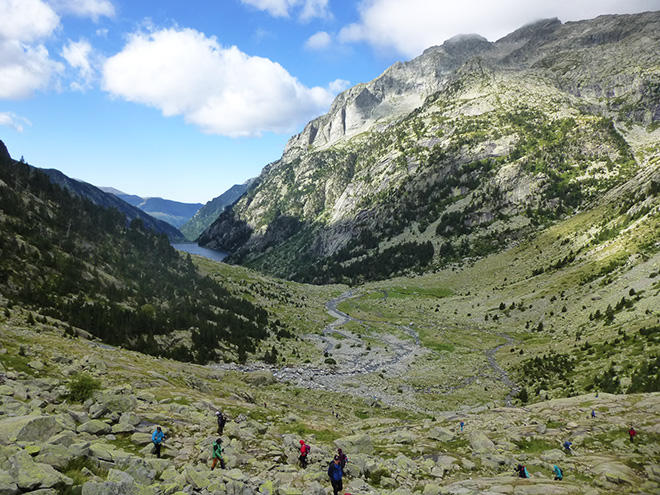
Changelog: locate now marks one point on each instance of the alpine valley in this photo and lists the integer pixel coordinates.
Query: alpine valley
(453, 272)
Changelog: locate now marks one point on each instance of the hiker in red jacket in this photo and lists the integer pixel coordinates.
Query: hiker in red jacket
(632, 433)
(304, 450)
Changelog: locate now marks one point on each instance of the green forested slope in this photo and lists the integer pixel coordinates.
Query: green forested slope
(68, 259)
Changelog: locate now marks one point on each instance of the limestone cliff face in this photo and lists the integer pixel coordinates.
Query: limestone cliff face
(466, 147)
(398, 91)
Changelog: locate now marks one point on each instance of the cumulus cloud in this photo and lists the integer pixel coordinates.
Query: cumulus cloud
(26, 20)
(318, 41)
(221, 90)
(24, 69)
(85, 8)
(79, 56)
(412, 26)
(25, 65)
(10, 119)
(307, 9)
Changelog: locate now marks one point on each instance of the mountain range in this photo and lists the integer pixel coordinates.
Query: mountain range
(107, 200)
(173, 212)
(463, 151)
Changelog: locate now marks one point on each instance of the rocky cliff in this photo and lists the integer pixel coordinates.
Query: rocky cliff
(458, 152)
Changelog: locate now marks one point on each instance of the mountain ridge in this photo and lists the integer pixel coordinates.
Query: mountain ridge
(108, 200)
(518, 133)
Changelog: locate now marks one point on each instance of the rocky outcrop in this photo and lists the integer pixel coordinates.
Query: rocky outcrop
(469, 139)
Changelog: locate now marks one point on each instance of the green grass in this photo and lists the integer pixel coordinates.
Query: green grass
(123, 442)
(17, 363)
(324, 436)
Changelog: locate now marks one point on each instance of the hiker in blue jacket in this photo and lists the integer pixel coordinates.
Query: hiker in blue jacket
(336, 473)
(157, 438)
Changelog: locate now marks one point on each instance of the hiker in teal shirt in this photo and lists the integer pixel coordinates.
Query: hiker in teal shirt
(157, 438)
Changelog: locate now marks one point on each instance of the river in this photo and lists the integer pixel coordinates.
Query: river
(193, 248)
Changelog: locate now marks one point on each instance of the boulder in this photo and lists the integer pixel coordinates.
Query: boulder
(441, 434)
(130, 418)
(8, 484)
(360, 443)
(480, 442)
(54, 455)
(403, 437)
(197, 479)
(29, 429)
(29, 475)
(141, 438)
(95, 427)
(616, 472)
(119, 403)
(117, 483)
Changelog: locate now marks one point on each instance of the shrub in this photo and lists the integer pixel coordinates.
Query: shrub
(82, 387)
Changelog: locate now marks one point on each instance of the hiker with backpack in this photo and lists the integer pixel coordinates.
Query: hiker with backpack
(343, 459)
(304, 450)
(559, 474)
(221, 421)
(567, 447)
(336, 473)
(632, 433)
(217, 454)
(157, 438)
(462, 425)
(522, 471)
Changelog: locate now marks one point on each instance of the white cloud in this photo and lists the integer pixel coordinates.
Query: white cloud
(24, 69)
(10, 119)
(307, 9)
(221, 90)
(315, 8)
(26, 20)
(412, 26)
(79, 56)
(318, 41)
(85, 8)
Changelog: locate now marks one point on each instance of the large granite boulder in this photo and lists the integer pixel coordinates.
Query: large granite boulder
(480, 442)
(360, 443)
(29, 429)
(29, 475)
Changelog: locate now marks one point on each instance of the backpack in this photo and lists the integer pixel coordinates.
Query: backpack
(307, 449)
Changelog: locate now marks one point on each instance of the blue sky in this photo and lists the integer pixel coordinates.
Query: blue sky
(182, 99)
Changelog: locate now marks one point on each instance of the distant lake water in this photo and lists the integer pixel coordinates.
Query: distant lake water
(195, 249)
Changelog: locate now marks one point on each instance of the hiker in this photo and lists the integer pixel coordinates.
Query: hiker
(157, 438)
(593, 413)
(304, 450)
(343, 459)
(217, 454)
(559, 474)
(462, 425)
(335, 473)
(632, 433)
(522, 471)
(221, 421)
(567, 447)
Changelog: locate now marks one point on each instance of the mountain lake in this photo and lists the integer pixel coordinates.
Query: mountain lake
(193, 248)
